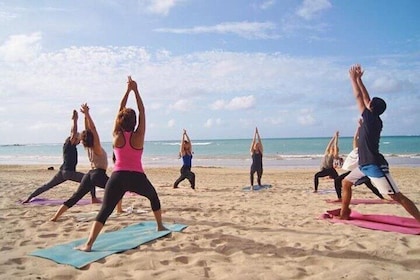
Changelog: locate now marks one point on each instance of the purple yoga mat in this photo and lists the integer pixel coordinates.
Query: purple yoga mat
(47, 201)
(389, 223)
(364, 201)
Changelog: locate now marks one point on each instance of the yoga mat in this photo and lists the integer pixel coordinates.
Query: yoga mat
(106, 244)
(256, 188)
(90, 216)
(47, 201)
(388, 223)
(364, 201)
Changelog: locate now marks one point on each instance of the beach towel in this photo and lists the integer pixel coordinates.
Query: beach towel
(364, 201)
(106, 244)
(388, 223)
(256, 188)
(47, 201)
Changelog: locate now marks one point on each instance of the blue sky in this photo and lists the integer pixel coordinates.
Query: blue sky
(216, 68)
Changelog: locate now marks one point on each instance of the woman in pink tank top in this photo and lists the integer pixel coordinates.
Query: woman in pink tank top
(128, 174)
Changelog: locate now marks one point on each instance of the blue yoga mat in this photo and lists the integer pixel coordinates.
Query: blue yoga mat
(106, 244)
(256, 188)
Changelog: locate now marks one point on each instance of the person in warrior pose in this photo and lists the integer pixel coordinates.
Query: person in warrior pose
(371, 162)
(128, 173)
(99, 164)
(67, 170)
(186, 154)
(327, 163)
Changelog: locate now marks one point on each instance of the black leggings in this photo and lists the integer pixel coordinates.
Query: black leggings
(259, 175)
(364, 180)
(94, 178)
(186, 173)
(121, 182)
(331, 172)
(60, 177)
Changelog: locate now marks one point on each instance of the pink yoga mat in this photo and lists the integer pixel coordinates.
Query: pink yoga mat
(364, 201)
(46, 201)
(389, 223)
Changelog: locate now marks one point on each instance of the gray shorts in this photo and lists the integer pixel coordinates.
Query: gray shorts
(385, 184)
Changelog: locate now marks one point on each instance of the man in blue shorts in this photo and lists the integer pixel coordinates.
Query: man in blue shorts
(371, 162)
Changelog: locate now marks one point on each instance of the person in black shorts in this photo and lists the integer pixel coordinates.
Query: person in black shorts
(371, 162)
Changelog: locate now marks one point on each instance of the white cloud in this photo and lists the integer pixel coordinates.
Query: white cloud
(7, 16)
(237, 103)
(267, 4)
(54, 83)
(212, 122)
(171, 123)
(306, 117)
(21, 48)
(160, 7)
(245, 29)
(386, 84)
(182, 105)
(274, 121)
(310, 8)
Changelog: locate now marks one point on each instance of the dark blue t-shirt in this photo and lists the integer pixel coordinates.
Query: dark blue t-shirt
(369, 137)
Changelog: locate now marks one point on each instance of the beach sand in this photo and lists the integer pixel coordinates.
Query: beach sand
(231, 234)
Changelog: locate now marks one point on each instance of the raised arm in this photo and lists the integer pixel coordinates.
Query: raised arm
(259, 141)
(355, 74)
(189, 141)
(181, 146)
(356, 135)
(123, 104)
(335, 145)
(330, 145)
(90, 125)
(251, 149)
(73, 131)
(139, 132)
(365, 93)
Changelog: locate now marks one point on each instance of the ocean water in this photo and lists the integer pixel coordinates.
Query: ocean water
(278, 153)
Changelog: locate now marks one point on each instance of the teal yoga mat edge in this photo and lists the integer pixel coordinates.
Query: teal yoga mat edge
(106, 244)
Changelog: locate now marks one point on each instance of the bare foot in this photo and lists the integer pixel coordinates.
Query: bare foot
(162, 228)
(315, 191)
(345, 214)
(53, 219)
(84, 248)
(24, 201)
(96, 200)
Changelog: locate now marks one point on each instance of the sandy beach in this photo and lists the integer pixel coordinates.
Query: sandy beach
(231, 234)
